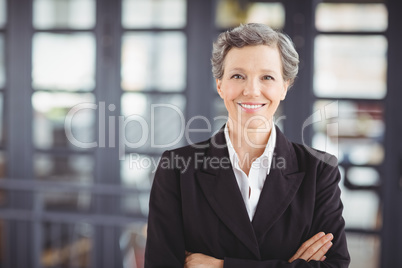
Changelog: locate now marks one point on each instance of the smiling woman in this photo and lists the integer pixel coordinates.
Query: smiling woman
(246, 211)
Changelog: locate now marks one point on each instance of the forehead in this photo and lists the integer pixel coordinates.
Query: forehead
(259, 56)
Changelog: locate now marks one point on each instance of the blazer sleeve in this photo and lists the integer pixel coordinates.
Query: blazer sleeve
(327, 218)
(165, 245)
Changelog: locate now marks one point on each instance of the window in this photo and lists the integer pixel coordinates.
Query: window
(350, 82)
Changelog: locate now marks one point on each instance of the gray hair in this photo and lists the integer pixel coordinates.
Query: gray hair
(256, 34)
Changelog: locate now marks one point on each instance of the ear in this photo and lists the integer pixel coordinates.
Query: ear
(218, 87)
(285, 90)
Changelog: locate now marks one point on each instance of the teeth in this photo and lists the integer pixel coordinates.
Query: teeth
(247, 106)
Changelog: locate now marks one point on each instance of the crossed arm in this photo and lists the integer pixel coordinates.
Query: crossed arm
(166, 241)
(313, 249)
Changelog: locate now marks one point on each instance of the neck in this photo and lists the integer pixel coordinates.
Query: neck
(252, 140)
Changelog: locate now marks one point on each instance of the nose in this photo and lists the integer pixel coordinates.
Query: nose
(252, 88)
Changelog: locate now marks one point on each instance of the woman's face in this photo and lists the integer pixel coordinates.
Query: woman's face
(252, 85)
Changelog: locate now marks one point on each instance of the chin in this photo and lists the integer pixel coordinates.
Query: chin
(261, 121)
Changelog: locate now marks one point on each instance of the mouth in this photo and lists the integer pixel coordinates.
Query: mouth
(251, 107)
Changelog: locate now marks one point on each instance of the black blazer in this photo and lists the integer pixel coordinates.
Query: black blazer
(196, 205)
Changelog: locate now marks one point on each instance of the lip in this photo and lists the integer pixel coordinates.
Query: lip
(251, 109)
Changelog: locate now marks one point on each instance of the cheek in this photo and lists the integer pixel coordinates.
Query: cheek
(229, 96)
(231, 90)
(273, 94)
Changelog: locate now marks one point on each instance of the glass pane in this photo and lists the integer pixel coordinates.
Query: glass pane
(66, 245)
(363, 176)
(57, 124)
(366, 202)
(152, 123)
(325, 123)
(2, 63)
(231, 13)
(345, 66)
(352, 131)
(3, 13)
(137, 171)
(63, 61)
(361, 152)
(74, 14)
(368, 205)
(154, 61)
(132, 244)
(351, 17)
(154, 13)
(364, 250)
(72, 168)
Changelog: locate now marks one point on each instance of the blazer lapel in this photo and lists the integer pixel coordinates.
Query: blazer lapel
(279, 188)
(220, 188)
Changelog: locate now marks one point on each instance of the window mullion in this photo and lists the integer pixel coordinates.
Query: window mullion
(18, 115)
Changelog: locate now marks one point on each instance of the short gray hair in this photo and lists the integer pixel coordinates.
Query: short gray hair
(256, 34)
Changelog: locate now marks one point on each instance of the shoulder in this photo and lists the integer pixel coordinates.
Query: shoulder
(309, 157)
(320, 166)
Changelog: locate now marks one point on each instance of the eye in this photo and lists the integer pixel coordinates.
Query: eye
(237, 76)
(267, 77)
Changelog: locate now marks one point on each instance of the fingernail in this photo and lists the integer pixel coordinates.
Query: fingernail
(321, 234)
(330, 236)
(328, 245)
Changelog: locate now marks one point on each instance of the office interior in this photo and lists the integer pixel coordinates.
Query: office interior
(93, 91)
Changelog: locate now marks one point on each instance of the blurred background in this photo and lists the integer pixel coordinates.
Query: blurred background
(85, 203)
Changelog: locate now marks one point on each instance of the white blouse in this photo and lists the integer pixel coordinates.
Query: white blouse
(251, 185)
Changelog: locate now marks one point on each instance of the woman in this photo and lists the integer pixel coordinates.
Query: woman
(247, 197)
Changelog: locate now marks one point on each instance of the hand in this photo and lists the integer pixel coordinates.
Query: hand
(198, 260)
(315, 248)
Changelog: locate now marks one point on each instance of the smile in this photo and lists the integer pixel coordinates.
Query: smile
(250, 107)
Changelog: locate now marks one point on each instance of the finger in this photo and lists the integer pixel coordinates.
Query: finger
(323, 258)
(306, 245)
(321, 252)
(314, 248)
(187, 256)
